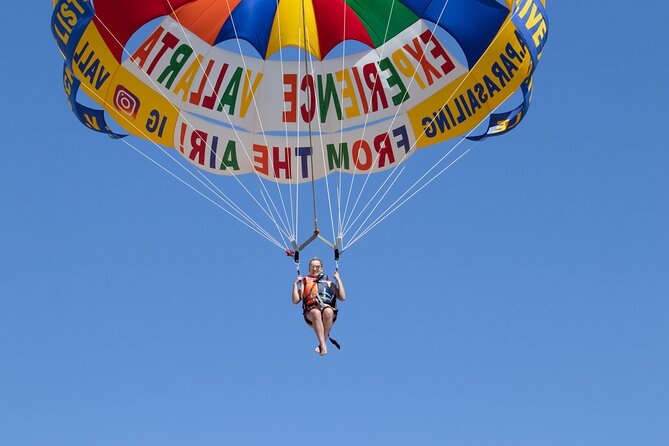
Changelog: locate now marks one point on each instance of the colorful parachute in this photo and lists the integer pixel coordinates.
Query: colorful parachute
(370, 82)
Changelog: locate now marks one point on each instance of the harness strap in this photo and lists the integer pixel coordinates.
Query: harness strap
(335, 343)
(336, 256)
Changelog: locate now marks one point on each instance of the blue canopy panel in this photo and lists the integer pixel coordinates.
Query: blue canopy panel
(92, 118)
(535, 48)
(252, 21)
(472, 23)
(501, 123)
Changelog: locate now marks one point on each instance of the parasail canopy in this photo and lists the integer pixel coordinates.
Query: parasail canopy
(371, 81)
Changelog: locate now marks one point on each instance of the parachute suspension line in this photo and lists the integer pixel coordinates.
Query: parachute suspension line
(314, 235)
(385, 214)
(261, 231)
(378, 203)
(355, 236)
(313, 184)
(350, 223)
(232, 204)
(340, 228)
(258, 230)
(423, 132)
(316, 232)
(378, 191)
(266, 211)
(264, 196)
(392, 208)
(327, 181)
(143, 133)
(309, 99)
(390, 187)
(392, 123)
(234, 129)
(262, 128)
(293, 208)
(369, 100)
(297, 184)
(258, 115)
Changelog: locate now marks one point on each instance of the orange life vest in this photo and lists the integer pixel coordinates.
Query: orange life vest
(317, 290)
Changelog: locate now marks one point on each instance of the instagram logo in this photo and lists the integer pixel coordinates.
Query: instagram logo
(126, 102)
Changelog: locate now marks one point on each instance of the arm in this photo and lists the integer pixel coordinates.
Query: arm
(341, 295)
(296, 290)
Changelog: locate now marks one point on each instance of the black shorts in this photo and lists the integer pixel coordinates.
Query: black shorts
(321, 307)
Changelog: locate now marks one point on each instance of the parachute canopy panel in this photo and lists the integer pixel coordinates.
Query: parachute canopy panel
(293, 121)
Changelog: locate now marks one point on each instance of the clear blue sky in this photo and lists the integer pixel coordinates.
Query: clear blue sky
(521, 300)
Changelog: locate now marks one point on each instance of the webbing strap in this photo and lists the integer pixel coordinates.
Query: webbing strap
(335, 343)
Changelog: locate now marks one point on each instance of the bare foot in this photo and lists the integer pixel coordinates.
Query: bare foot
(321, 350)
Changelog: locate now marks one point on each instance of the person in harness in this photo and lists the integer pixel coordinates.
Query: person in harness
(319, 301)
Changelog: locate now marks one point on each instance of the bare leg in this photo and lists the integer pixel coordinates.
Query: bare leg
(328, 321)
(317, 324)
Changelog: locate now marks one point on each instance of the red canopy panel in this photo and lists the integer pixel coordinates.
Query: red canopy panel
(330, 21)
(117, 20)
